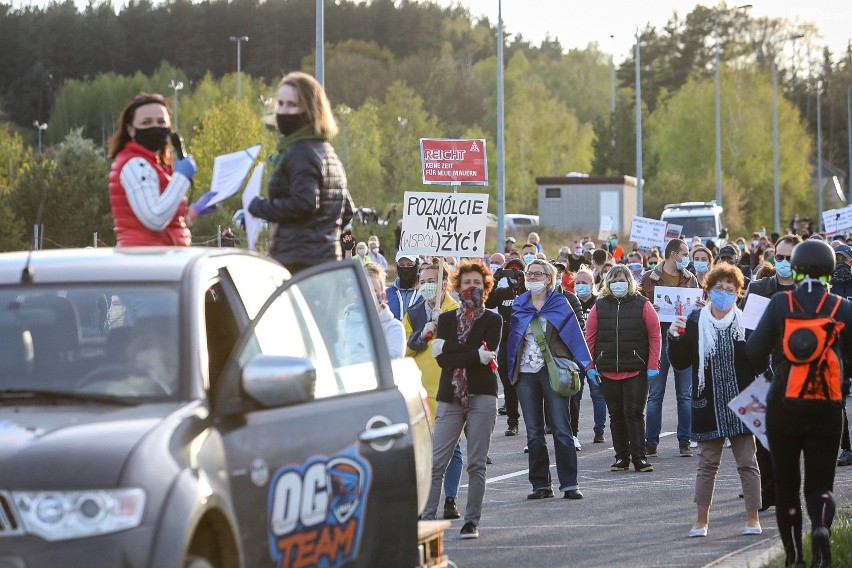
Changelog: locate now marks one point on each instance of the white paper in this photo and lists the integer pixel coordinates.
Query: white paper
(750, 407)
(252, 190)
(753, 310)
(605, 228)
(648, 233)
(230, 171)
(837, 220)
(669, 298)
(673, 231)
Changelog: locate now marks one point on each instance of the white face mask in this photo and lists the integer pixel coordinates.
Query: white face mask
(429, 290)
(494, 267)
(374, 250)
(535, 287)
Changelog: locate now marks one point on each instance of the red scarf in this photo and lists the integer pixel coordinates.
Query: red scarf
(470, 309)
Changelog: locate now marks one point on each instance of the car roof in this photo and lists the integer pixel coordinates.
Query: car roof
(129, 264)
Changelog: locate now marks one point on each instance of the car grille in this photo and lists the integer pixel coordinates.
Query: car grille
(10, 524)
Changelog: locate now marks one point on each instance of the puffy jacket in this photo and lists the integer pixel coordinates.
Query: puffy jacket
(309, 203)
(129, 231)
(622, 340)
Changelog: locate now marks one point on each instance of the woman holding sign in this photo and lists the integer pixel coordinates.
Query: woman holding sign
(308, 202)
(712, 341)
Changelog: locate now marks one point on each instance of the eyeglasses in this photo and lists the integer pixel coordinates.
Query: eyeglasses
(535, 274)
(729, 290)
(783, 257)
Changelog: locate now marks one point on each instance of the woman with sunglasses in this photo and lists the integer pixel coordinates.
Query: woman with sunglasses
(712, 342)
(543, 304)
(147, 192)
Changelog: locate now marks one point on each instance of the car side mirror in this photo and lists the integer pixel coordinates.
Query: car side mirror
(275, 381)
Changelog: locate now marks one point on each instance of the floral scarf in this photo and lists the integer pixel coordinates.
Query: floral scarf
(471, 308)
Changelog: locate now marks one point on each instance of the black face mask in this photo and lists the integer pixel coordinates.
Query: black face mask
(290, 123)
(154, 138)
(407, 275)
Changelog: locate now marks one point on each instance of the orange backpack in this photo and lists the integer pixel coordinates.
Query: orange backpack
(815, 371)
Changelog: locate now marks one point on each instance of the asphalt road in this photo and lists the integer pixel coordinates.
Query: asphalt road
(626, 518)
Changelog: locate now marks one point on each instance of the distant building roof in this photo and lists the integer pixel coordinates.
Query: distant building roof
(589, 180)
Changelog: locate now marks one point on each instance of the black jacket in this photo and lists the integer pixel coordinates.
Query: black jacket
(622, 339)
(480, 378)
(309, 203)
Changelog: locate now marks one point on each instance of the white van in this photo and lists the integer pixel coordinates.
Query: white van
(519, 221)
(702, 218)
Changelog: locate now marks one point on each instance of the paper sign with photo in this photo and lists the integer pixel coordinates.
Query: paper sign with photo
(750, 407)
(669, 298)
(753, 310)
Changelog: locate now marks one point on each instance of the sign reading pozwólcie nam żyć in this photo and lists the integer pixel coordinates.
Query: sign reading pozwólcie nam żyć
(444, 224)
(454, 162)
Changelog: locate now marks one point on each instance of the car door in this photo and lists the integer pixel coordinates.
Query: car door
(330, 480)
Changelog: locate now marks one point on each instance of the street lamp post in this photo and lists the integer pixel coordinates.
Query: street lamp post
(612, 98)
(776, 191)
(718, 117)
(819, 154)
(639, 188)
(40, 127)
(176, 86)
(849, 134)
(239, 40)
(501, 149)
(319, 64)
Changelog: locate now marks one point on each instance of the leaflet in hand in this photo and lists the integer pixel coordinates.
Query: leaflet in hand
(230, 171)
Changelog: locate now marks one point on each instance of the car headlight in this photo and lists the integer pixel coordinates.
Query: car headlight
(62, 515)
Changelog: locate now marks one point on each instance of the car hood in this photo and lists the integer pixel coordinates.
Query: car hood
(71, 446)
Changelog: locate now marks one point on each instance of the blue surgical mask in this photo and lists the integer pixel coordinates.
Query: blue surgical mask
(613, 242)
(683, 263)
(722, 300)
(618, 289)
(701, 266)
(783, 268)
(582, 290)
(494, 268)
(528, 258)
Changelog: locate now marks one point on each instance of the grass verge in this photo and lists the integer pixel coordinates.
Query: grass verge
(841, 542)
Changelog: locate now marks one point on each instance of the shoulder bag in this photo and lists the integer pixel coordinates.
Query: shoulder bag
(563, 373)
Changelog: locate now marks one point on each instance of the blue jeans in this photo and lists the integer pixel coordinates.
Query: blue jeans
(534, 392)
(452, 477)
(598, 404)
(656, 392)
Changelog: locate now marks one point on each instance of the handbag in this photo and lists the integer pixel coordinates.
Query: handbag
(563, 373)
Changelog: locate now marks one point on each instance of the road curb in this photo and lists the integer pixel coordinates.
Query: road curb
(753, 556)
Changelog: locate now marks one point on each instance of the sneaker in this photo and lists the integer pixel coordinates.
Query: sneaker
(451, 511)
(643, 465)
(820, 548)
(620, 464)
(599, 438)
(543, 493)
(577, 445)
(650, 450)
(685, 450)
(572, 494)
(526, 449)
(845, 458)
(469, 530)
(488, 460)
(502, 410)
(512, 430)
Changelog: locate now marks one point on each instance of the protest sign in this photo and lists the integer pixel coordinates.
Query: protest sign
(672, 232)
(454, 162)
(837, 220)
(750, 407)
(444, 224)
(605, 229)
(648, 233)
(669, 298)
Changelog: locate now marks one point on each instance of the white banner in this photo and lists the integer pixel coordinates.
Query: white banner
(837, 221)
(444, 224)
(648, 233)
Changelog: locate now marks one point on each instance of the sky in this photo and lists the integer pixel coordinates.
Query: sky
(576, 23)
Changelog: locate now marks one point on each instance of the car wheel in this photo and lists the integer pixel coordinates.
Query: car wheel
(197, 562)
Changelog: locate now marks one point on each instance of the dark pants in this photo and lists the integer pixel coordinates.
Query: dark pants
(533, 390)
(792, 434)
(625, 399)
(510, 396)
(767, 475)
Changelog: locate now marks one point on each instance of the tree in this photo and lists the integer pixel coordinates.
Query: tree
(14, 158)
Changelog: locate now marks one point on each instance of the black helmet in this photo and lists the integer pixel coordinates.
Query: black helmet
(814, 258)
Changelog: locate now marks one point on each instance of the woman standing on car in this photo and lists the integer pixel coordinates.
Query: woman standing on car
(147, 193)
(465, 348)
(623, 333)
(712, 341)
(528, 372)
(308, 202)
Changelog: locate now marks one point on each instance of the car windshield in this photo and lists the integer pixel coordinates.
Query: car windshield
(692, 226)
(103, 341)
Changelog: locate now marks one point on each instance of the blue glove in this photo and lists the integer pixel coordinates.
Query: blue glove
(653, 373)
(186, 167)
(593, 375)
(200, 207)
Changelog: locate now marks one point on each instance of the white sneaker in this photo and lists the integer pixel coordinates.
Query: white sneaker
(577, 445)
(693, 445)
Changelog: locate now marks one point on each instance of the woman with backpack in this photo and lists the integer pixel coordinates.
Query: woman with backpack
(804, 402)
(712, 341)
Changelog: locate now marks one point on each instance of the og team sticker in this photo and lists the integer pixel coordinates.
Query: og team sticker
(317, 509)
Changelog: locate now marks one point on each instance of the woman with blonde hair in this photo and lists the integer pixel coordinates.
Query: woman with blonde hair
(702, 262)
(623, 334)
(308, 201)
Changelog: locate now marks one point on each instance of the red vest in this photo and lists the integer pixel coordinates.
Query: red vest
(129, 231)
